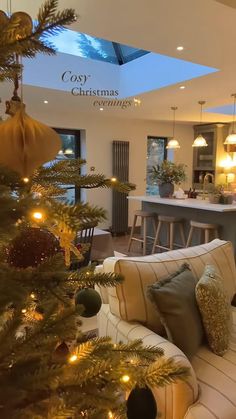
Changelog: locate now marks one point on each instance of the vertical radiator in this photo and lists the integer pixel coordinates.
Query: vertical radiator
(120, 167)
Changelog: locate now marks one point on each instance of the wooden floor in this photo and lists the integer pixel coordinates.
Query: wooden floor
(120, 244)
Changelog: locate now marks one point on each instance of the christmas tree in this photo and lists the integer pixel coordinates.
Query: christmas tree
(48, 368)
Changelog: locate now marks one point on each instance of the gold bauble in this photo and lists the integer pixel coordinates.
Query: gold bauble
(4, 19)
(25, 144)
(23, 25)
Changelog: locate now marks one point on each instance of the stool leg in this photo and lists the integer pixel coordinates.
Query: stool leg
(154, 226)
(207, 235)
(171, 244)
(156, 240)
(216, 234)
(189, 237)
(132, 232)
(182, 235)
(144, 236)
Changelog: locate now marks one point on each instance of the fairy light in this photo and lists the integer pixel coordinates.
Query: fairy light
(25, 179)
(113, 179)
(37, 215)
(32, 295)
(110, 415)
(73, 358)
(23, 310)
(125, 378)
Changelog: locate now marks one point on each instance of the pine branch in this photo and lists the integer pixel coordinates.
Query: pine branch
(86, 278)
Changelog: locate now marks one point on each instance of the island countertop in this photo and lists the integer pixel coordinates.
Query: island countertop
(199, 204)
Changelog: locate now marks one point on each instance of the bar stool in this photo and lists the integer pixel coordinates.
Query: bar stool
(203, 227)
(145, 216)
(171, 223)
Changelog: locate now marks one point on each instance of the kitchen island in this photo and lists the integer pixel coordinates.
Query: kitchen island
(194, 209)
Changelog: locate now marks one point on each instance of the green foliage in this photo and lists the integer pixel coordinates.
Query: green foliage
(169, 172)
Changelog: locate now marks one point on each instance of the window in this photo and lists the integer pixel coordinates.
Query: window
(70, 150)
(156, 153)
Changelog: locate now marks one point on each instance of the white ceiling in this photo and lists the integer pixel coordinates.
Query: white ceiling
(206, 29)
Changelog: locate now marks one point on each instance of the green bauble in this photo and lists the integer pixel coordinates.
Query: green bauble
(91, 301)
(32, 247)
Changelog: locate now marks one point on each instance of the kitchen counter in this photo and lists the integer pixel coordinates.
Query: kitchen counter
(187, 203)
(193, 209)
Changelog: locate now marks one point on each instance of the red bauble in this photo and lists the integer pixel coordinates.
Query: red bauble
(32, 247)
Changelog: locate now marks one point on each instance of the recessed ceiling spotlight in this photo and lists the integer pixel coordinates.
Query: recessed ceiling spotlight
(180, 48)
(182, 87)
(101, 109)
(45, 101)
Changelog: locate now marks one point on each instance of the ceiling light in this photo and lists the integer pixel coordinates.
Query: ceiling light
(200, 141)
(180, 48)
(182, 87)
(45, 101)
(173, 143)
(231, 139)
(101, 109)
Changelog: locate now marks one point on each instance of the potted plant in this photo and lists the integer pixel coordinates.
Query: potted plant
(166, 175)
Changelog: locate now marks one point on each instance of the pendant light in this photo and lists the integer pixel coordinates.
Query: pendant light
(200, 141)
(173, 143)
(231, 139)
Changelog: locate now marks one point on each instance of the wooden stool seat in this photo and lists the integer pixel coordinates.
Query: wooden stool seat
(207, 228)
(145, 216)
(171, 222)
(169, 219)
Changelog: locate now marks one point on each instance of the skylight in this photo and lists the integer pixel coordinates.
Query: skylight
(86, 46)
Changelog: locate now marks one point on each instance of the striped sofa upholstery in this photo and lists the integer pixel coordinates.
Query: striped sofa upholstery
(211, 389)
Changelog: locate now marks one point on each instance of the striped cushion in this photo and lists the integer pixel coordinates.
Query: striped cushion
(129, 301)
(217, 379)
(173, 400)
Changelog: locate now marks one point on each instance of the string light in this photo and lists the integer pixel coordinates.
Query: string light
(32, 295)
(125, 378)
(110, 415)
(25, 179)
(113, 179)
(23, 310)
(73, 358)
(37, 215)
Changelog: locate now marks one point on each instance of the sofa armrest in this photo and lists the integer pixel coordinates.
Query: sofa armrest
(173, 400)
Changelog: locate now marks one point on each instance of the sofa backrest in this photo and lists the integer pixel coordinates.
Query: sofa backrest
(129, 301)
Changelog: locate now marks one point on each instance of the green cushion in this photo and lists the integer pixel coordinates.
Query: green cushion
(174, 298)
(214, 306)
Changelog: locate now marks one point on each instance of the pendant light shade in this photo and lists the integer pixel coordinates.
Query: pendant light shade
(200, 141)
(173, 143)
(231, 139)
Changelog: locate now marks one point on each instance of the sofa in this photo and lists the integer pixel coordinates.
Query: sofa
(128, 314)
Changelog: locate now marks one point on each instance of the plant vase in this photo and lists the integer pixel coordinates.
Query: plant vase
(166, 190)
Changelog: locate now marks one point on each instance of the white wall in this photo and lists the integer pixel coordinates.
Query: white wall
(99, 133)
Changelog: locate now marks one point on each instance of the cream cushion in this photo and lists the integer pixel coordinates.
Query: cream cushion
(129, 301)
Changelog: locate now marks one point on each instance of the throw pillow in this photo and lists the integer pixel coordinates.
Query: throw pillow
(214, 306)
(174, 298)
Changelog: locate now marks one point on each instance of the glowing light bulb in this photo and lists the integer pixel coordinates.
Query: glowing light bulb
(23, 310)
(37, 215)
(113, 179)
(32, 295)
(110, 415)
(125, 378)
(25, 179)
(73, 358)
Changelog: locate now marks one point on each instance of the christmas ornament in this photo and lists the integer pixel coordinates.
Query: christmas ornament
(66, 237)
(32, 247)
(22, 25)
(4, 19)
(91, 301)
(27, 143)
(61, 353)
(141, 404)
